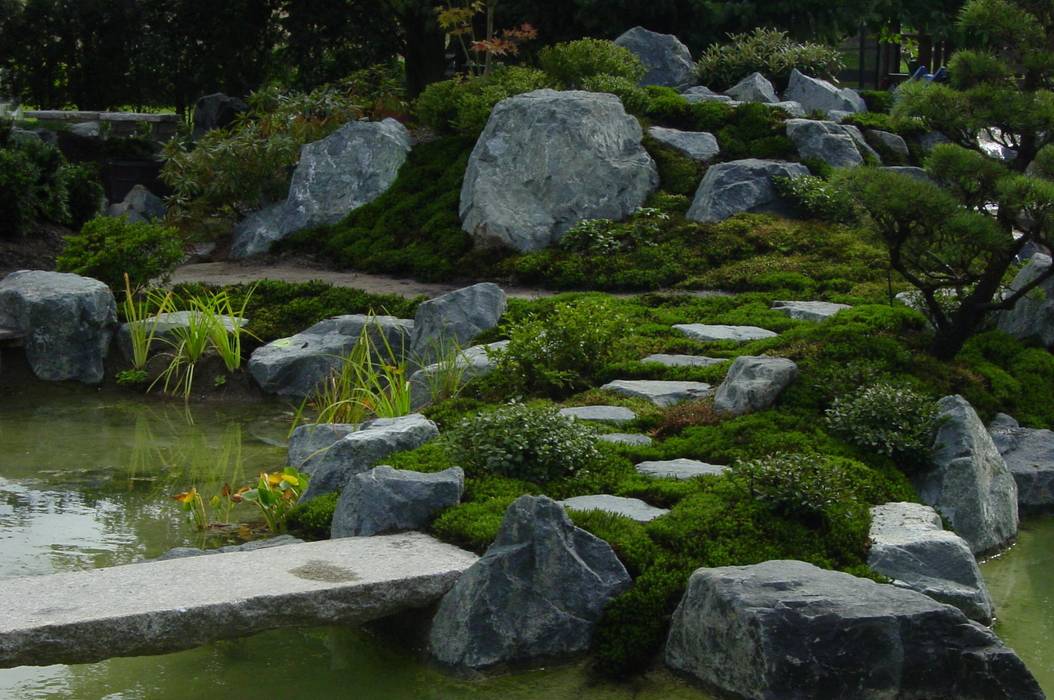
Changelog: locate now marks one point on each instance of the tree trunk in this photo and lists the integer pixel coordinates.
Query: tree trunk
(425, 51)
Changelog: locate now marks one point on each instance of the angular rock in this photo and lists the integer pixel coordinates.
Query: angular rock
(294, 366)
(667, 60)
(1032, 317)
(817, 95)
(893, 142)
(140, 204)
(547, 160)
(910, 545)
(697, 145)
(615, 415)
(629, 439)
(742, 186)
(861, 143)
(680, 469)
(332, 468)
(472, 363)
(791, 107)
(754, 384)
(349, 168)
(787, 629)
(67, 321)
(710, 333)
(969, 482)
(753, 88)
(660, 393)
(684, 360)
(535, 595)
(310, 438)
(216, 111)
(932, 139)
(826, 141)
(384, 499)
(1029, 454)
(809, 310)
(632, 508)
(700, 93)
(165, 327)
(455, 318)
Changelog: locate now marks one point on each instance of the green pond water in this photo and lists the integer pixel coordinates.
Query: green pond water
(86, 480)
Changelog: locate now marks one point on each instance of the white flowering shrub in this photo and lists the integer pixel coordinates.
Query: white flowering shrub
(890, 419)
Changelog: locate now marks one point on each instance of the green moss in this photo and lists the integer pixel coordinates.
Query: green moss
(678, 173)
(312, 519)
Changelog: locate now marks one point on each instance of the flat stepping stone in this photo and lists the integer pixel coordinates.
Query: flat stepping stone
(631, 439)
(709, 333)
(683, 360)
(809, 310)
(600, 414)
(680, 469)
(632, 508)
(660, 393)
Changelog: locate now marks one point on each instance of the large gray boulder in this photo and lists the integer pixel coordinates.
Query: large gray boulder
(697, 145)
(894, 143)
(790, 630)
(910, 546)
(753, 384)
(295, 366)
(472, 363)
(140, 204)
(535, 595)
(817, 95)
(454, 319)
(216, 111)
(67, 320)
(754, 88)
(1029, 454)
(547, 160)
(384, 499)
(165, 328)
(668, 61)
(969, 482)
(826, 141)
(331, 468)
(1032, 317)
(742, 186)
(349, 168)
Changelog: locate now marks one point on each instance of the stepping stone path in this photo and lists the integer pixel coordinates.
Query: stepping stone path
(684, 360)
(682, 469)
(632, 508)
(631, 439)
(809, 310)
(709, 333)
(660, 393)
(601, 414)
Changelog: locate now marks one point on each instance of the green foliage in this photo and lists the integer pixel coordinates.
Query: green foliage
(634, 98)
(770, 52)
(107, 248)
(571, 63)
(531, 443)
(877, 101)
(463, 105)
(84, 193)
(275, 494)
(816, 198)
(755, 131)
(798, 484)
(678, 174)
(603, 236)
(38, 185)
(314, 517)
(890, 419)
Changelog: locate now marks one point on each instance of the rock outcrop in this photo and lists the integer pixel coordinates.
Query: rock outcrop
(825, 141)
(754, 88)
(454, 319)
(1032, 317)
(1029, 454)
(817, 95)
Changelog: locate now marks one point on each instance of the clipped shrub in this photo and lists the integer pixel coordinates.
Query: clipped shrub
(463, 105)
(313, 518)
(635, 99)
(878, 101)
(891, 419)
(603, 236)
(84, 193)
(106, 248)
(570, 63)
(795, 483)
(755, 131)
(817, 198)
(531, 443)
(770, 52)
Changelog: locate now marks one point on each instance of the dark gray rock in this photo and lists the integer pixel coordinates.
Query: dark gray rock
(668, 61)
(384, 499)
(809, 310)
(165, 327)
(660, 393)
(826, 141)
(632, 508)
(455, 319)
(789, 630)
(471, 363)
(753, 88)
(294, 366)
(790, 107)
(67, 320)
(753, 384)
(708, 333)
(184, 552)
(894, 142)
(140, 204)
(1029, 454)
(910, 545)
(216, 111)
(969, 482)
(932, 139)
(535, 595)
(332, 467)
(1032, 317)
(742, 186)
(616, 415)
(817, 95)
(861, 143)
(547, 160)
(697, 145)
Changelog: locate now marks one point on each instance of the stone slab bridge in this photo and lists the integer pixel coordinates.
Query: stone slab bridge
(160, 606)
(163, 126)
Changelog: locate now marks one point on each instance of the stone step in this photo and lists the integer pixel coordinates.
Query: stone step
(615, 415)
(631, 439)
(680, 469)
(632, 508)
(683, 360)
(710, 333)
(809, 310)
(160, 606)
(660, 393)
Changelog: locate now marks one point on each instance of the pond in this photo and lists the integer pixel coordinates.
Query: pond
(86, 480)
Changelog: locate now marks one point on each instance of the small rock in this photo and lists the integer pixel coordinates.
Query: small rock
(825, 141)
(660, 393)
(753, 88)
(710, 333)
(1029, 454)
(629, 439)
(753, 384)
(809, 310)
(684, 360)
(697, 145)
(384, 499)
(216, 111)
(632, 508)
(140, 204)
(742, 186)
(680, 469)
(893, 142)
(668, 61)
(616, 415)
(473, 363)
(455, 318)
(817, 95)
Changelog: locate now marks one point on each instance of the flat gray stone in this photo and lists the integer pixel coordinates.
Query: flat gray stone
(742, 186)
(680, 469)
(630, 439)
(753, 384)
(700, 93)
(809, 310)
(667, 60)
(684, 360)
(910, 545)
(1029, 454)
(817, 95)
(710, 333)
(384, 499)
(632, 508)
(616, 415)
(182, 552)
(697, 145)
(660, 393)
(753, 88)
(161, 606)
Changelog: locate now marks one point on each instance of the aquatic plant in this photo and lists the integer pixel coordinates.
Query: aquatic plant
(275, 494)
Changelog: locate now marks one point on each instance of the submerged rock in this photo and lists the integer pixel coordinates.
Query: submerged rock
(384, 499)
(668, 61)
(742, 186)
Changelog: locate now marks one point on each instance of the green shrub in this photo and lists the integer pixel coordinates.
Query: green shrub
(603, 236)
(755, 131)
(38, 185)
(816, 198)
(570, 63)
(770, 52)
(634, 98)
(877, 101)
(313, 518)
(531, 443)
(84, 193)
(463, 106)
(795, 484)
(18, 203)
(678, 174)
(890, 419)
(107, 248)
